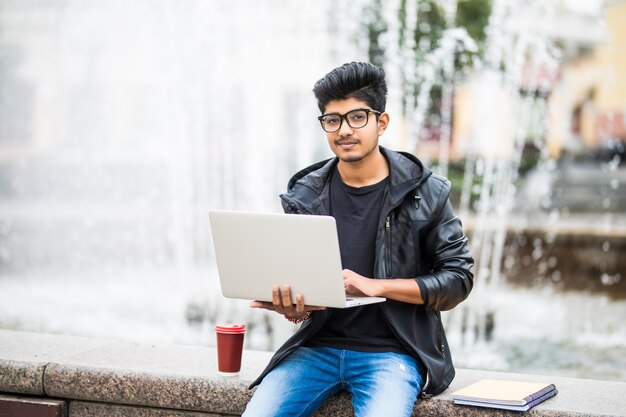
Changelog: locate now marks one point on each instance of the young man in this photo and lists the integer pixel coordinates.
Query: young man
(399, 239)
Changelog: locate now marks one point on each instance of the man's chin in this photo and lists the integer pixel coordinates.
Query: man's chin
(350, 158)
(353, 154)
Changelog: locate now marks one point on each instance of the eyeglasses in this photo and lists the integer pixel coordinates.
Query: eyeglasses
(356, 119)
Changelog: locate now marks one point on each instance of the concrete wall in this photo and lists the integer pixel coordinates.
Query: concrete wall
(51, 375)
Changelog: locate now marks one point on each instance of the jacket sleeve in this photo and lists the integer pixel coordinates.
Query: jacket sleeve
(450, 279)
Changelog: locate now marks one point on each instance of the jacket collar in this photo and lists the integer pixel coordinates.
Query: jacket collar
(406, 173)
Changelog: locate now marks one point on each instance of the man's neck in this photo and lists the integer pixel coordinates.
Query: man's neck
(368, 171)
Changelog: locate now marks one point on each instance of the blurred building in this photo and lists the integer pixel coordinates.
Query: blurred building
(570, 101)
(589, 100)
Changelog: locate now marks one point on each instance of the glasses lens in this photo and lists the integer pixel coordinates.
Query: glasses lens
(331, 122)
(357, 118)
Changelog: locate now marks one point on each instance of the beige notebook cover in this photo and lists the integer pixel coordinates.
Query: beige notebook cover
(503, 391)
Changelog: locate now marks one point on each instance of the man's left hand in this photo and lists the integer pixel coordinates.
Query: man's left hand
(356, 284)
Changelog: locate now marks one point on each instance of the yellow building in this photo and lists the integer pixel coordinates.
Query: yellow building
(585, 86)
(589, 101)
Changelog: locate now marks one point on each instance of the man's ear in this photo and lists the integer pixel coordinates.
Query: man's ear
(383, 122)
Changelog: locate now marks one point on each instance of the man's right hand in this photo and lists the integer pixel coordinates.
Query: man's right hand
(281, 303)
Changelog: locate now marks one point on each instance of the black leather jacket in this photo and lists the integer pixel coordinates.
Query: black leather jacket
(418, 236)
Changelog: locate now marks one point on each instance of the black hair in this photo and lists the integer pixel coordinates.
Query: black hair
(360, 80)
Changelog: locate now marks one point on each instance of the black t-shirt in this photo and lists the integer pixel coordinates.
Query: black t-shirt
(357, 214)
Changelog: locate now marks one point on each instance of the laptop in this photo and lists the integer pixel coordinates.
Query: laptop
(257, 251)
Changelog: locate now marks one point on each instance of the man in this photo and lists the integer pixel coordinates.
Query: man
(399, 239)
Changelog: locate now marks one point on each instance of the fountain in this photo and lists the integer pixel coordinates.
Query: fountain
(127, 137)
(127, 122)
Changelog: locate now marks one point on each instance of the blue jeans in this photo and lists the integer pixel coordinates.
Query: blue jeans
(382, 384)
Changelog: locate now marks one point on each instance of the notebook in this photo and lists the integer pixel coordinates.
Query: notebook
(257, 251)
(503, 394)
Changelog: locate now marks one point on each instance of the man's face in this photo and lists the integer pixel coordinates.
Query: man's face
(351, 144)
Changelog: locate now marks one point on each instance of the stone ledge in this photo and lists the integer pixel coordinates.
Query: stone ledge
(90, 409)
(24, 356)
(107, 377)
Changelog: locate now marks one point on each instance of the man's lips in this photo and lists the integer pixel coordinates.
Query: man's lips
(346, 143)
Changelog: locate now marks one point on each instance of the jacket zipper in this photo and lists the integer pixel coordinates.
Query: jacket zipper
(388, 251)
(442, 348)
(424, 394)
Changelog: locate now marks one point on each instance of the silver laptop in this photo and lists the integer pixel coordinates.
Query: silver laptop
(257, 251)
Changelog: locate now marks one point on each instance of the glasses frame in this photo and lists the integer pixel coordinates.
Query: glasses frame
(343, 117)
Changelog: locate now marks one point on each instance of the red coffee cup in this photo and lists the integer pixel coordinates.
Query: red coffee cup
(229, 347)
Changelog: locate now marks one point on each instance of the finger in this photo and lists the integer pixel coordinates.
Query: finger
(276, 296)
(286, 296)
(299, 303)
(346, 280)
(262, 304)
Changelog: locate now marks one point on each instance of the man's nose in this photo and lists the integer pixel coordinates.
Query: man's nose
(345, 129)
